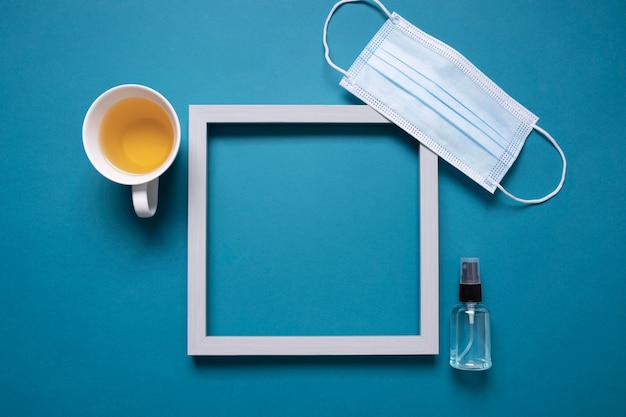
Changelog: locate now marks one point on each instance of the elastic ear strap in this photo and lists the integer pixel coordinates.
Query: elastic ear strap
(325, 33)
(558, 187)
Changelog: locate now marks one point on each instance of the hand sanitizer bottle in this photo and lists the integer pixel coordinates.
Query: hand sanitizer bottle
(470, 339)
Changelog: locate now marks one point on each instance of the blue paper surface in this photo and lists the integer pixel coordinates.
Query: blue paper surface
(93, 299)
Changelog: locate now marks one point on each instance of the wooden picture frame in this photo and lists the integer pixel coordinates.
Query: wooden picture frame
(202, 344)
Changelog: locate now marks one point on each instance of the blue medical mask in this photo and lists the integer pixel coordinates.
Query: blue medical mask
(441, 99)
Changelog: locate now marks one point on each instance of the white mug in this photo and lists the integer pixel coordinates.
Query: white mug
(131, 135)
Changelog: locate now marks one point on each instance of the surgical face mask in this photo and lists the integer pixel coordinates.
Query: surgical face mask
(441, 99)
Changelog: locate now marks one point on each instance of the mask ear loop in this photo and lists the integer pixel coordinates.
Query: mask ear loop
(325, 32)
(558, 187)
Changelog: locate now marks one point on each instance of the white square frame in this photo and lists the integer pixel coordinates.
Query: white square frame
(201, 344)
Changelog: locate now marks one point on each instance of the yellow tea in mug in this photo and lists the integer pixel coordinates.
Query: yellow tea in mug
(136, 135)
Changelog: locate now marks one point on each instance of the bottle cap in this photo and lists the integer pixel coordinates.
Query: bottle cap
(470, 289)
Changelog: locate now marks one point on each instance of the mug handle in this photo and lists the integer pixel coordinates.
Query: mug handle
(145, 198)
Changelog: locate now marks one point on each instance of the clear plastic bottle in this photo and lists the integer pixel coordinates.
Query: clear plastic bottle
(470, 333)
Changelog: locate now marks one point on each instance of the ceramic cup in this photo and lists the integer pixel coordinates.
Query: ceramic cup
(131, 135)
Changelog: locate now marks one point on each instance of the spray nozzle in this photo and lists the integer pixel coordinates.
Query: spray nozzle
(470, 271)
(470, 289)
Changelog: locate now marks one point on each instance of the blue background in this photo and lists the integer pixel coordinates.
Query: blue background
(312, 230)
(93, 299)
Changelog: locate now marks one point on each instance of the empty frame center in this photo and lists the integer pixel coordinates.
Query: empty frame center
(311, 230)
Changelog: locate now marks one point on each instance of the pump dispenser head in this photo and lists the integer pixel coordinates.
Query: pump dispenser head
(470, 290)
